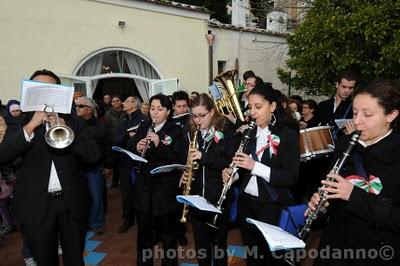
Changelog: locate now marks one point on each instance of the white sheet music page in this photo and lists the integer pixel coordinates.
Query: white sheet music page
(36, 95)
(276, 237)
(198, 202)
(130, 154)
(168, 168)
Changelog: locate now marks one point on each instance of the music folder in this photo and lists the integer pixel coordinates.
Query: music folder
(276, 237)
(198, 202)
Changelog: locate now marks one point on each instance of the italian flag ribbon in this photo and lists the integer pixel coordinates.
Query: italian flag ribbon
(373, 186)
(167, 140)
(214, 134)
(272, 143)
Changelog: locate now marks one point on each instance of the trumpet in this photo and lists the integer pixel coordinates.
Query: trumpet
(189, 172)
(234, 176)
(57, 136)
(148, 141)
(320, 208)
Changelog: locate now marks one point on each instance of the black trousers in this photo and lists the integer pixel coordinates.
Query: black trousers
(167, 230)
(128, 212)
(258, 252)
(42, 239)
(210, 243)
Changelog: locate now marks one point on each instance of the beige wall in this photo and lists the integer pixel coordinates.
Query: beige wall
(58, 34)
(258, 52)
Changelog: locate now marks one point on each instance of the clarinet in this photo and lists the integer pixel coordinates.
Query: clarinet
(148, 143)
(233, 177)
(313, 215)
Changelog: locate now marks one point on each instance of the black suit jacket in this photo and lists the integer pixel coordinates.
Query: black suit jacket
(284, 167)
(30, 194)
(368, 220)
(325, 114)
(156, 194)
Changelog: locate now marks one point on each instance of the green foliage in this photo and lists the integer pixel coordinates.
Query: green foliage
(339, 34)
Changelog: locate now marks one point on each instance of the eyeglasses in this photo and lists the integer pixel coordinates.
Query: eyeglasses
(250, 84)
(200, 115)
(81, 106)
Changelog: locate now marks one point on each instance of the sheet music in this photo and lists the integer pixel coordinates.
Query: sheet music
(168, 168)
(35, 95)
(276, 237)
(198, 202)
(130, 154)
(341, 122)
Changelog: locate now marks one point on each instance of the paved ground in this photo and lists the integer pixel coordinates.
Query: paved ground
(116, 249)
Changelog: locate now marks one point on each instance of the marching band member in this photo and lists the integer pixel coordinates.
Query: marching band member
(155, 195)
(268, 171)
(216, 147)
(365, 200)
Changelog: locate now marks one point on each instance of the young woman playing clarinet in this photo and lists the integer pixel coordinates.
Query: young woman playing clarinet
(364, 199)
(216, 147)
(160, 142)
(269, 168)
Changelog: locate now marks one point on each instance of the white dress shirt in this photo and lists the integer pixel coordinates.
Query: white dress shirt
(260, 169)
(54, 181)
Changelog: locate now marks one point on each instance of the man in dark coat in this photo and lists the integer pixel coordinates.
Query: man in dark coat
(339, 106)
(51, 199)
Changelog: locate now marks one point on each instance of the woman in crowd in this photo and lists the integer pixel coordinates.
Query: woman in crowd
(216, 147)
(308, 118)
(270, 167)
(155, 195)
(364, 199)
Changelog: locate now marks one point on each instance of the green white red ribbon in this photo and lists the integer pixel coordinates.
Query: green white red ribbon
(167, 140)
(374, 185)
(214, 134)
(272, 143)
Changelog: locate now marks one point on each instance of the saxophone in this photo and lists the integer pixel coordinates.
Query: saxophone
(313, 215)
(189, 172)
(233, 177)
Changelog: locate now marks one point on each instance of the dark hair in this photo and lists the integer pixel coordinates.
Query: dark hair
(195, 92)
(311, 104)
(218, 121)
(164, 101)
(248, 74)
(45, 72)
(297, 98)
(117, 96)
(387, 93)
(348, 75)
(283, 116)
(180, 95)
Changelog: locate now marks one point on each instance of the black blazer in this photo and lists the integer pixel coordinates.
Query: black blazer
(215, 157)
(156, 194)
(325, 114)
(284, 167)
(30, 194)
(368, 220)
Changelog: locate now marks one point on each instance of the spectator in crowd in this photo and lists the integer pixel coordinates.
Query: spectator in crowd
(131, 119)
(107, 102)
(145, 108)
(309, 119)
(94, 128)
(113, 118)
(294, 106)
(193, 95)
